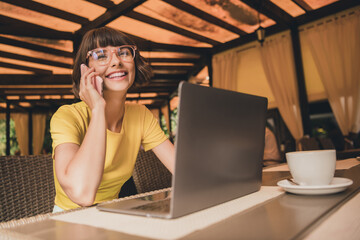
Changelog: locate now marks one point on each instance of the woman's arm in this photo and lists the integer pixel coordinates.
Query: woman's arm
(79, 169)
(166, 153)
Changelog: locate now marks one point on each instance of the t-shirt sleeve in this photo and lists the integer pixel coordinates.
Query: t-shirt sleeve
(153, 135)
(65, 127)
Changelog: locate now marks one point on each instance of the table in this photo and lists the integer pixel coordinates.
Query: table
(287, 216)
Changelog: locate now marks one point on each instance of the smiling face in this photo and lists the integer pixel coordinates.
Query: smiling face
(117, 71)
(118, 75)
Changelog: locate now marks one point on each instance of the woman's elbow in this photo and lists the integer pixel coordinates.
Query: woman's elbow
(82, 197)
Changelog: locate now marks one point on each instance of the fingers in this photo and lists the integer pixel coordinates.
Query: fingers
(99, 85)
(88, 82)
(83, 69)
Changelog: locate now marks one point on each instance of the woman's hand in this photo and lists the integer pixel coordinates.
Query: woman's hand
(91, 87)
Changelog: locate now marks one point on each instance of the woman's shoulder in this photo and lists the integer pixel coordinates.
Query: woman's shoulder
(134, 108)
(79, 108)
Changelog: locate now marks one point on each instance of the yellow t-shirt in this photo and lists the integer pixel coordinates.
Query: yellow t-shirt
(69, 125)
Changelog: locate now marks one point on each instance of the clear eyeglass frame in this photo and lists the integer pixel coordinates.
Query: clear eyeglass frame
(121, 51)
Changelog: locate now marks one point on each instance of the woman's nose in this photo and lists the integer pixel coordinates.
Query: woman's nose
(115, 59)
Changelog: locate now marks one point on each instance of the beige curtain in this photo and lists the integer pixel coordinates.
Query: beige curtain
(22, 133)
(278, 62)
(225, 66)
(335, 47)
(38, 123)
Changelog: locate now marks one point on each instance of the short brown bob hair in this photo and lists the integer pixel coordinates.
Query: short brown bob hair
(103, 37)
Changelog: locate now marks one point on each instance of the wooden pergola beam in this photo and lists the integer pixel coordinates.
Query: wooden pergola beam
(25, 68)
(31, 46)
(103, 3)
(45, 9)
(270, 10)
(205, 16)
(27, 79)
(17, 27)
(111, 14)
(170, 27)
(34, 60)
(303, 5)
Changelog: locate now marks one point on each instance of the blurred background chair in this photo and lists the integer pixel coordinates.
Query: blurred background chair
(308, 143)
(149, 173)
(26, 186)
(326, 143)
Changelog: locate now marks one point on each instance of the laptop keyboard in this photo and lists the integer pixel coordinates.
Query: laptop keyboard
(160, 206)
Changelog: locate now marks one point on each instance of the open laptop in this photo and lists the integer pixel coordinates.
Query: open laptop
(219, 151)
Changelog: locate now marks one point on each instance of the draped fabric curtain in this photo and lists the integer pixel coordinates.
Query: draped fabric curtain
(39, 123)
(22, 133)
(279, 67)
(335, 47)
(225, 68)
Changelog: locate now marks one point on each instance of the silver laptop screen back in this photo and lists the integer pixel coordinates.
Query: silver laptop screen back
(219, 147)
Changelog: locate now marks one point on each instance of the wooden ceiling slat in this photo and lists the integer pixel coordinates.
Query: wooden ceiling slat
(326, 11)
(146, 45)
(21, 28)
(303, 5)
(34, 60)
(170, 68)
(24, 79)
(110, 15)
(42, 8)
(165, 81)
(20, 67)
(163, 47)
(169, 77)
(102, 3)
(151, 90)
(171, 60)
(270, 10)
(38, 91)
(147, 98)
(35, 47)
(205, 16)
(170, 27)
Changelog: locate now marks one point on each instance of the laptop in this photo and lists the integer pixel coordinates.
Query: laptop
(219, 151)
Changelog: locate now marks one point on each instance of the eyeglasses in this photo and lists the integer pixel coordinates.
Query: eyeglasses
(102, 56)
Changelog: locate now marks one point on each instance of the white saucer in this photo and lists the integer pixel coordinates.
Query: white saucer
(336, 185)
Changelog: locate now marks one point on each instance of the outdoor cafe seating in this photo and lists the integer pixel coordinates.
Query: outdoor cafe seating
(28, 188)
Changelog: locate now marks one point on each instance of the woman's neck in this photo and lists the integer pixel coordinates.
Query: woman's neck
(114, 110)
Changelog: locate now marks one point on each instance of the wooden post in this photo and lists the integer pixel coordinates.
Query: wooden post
(169, 110)
(7, 128)
(210, 71)
(30, 130)
(303, 101)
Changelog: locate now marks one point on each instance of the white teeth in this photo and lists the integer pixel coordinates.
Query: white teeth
(118, 74)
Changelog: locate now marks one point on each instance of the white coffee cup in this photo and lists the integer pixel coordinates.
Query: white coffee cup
(312, 167)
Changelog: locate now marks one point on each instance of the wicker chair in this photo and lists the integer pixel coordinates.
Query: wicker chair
(26, 186)
(149, 173)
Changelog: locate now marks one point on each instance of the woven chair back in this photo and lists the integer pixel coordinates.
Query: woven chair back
(149, 173)
(26, 186)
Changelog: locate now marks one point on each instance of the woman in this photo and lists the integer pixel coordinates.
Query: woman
(96, 141)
